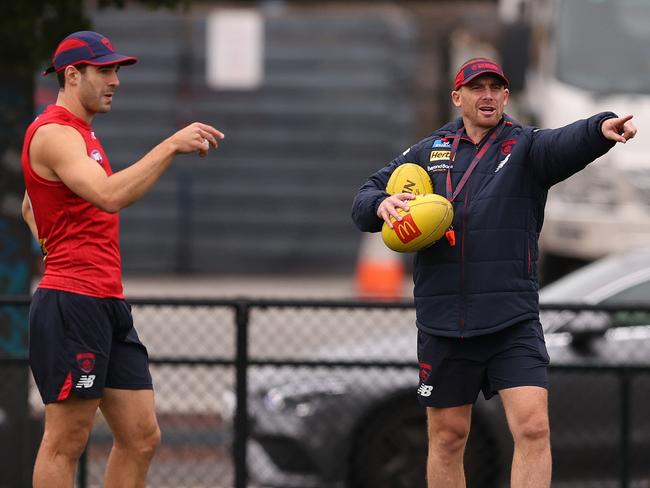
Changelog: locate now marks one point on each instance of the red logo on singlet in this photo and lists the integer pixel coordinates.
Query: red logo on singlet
(86, 361)
(97, 156)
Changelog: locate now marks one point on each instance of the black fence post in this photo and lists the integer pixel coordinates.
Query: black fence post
(82, 470)
(241, 392)
(624, 376)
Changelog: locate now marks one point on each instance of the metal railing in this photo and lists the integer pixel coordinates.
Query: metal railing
(263, 339)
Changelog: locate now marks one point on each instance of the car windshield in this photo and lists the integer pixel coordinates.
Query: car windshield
(639, 293)
(603, 45)
(615, 280)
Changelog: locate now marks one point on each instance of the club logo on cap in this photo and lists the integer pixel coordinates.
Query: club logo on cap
(475, 67)
(108, 44)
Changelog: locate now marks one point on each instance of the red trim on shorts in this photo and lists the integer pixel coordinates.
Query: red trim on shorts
(64, 393)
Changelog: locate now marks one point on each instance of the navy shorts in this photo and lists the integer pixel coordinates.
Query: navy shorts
(454, 370)
(82, 344)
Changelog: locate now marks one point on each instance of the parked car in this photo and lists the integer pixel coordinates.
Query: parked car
(362, 427)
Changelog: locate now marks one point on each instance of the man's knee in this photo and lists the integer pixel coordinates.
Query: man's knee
(143, 441)
(152, 439)
(533, 431)
(449, 440)
(448, 430)
(70, 442)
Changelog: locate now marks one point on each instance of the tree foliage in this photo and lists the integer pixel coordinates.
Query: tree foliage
(31, 29)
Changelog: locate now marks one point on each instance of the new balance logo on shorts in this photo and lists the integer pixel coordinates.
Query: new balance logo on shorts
(86, 381)
(425, 390)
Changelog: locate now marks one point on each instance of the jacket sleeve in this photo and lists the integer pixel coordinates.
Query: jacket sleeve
(556, 154)
(370, 196)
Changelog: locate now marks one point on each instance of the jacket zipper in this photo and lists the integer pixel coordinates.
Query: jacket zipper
(463, 308)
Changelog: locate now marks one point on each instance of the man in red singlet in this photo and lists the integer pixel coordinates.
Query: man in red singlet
(84, 351)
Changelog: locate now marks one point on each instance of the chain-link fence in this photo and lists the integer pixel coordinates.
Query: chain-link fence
(322, 394)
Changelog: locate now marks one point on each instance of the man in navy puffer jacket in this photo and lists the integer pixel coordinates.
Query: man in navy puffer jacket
(476, 292)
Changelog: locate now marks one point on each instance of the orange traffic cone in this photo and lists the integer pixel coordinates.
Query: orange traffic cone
(380, 271)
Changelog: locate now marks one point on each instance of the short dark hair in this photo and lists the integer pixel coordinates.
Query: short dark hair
(60, 75)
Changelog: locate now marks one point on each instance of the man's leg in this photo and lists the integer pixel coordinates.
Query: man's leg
(67, 427)
(527, 413)
(131, 416)
(448, 429)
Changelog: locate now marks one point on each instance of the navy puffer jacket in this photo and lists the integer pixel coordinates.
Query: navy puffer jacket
(488, 280)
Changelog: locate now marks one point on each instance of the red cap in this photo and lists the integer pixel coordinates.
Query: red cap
(475, 67)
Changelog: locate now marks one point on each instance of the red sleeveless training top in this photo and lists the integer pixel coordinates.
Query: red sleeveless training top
(80, 241)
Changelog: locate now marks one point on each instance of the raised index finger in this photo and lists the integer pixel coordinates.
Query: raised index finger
(622, 120)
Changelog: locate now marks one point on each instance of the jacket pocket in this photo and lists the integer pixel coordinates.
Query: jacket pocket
(528, 259)
(531, 254)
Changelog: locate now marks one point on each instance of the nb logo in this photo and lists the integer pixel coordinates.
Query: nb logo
(86, 381)
(425, 390)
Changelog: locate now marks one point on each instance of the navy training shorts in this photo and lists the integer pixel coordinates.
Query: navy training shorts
(82, 344)
(453, 370)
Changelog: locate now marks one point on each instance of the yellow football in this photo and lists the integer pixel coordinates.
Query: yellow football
(428, 218)
(409, 178)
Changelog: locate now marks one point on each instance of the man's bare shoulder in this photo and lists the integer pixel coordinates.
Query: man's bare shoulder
(53, 146)
(53, 141)
(53, 133)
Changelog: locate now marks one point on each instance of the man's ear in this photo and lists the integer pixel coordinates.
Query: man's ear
(455, 98)
(506, 97)
(71, 75)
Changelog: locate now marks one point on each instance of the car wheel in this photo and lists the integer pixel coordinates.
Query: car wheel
(391, 449)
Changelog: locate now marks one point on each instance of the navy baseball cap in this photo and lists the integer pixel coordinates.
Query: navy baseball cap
(475, 67)
(86, 47)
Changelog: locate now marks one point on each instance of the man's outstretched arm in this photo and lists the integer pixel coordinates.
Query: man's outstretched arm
(61, 151)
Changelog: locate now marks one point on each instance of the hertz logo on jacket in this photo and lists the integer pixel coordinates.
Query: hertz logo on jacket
(439, 156)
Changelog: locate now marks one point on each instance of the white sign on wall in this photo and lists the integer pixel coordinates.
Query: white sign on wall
(235, 49)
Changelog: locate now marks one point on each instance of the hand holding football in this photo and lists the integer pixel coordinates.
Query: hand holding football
(425, 222)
